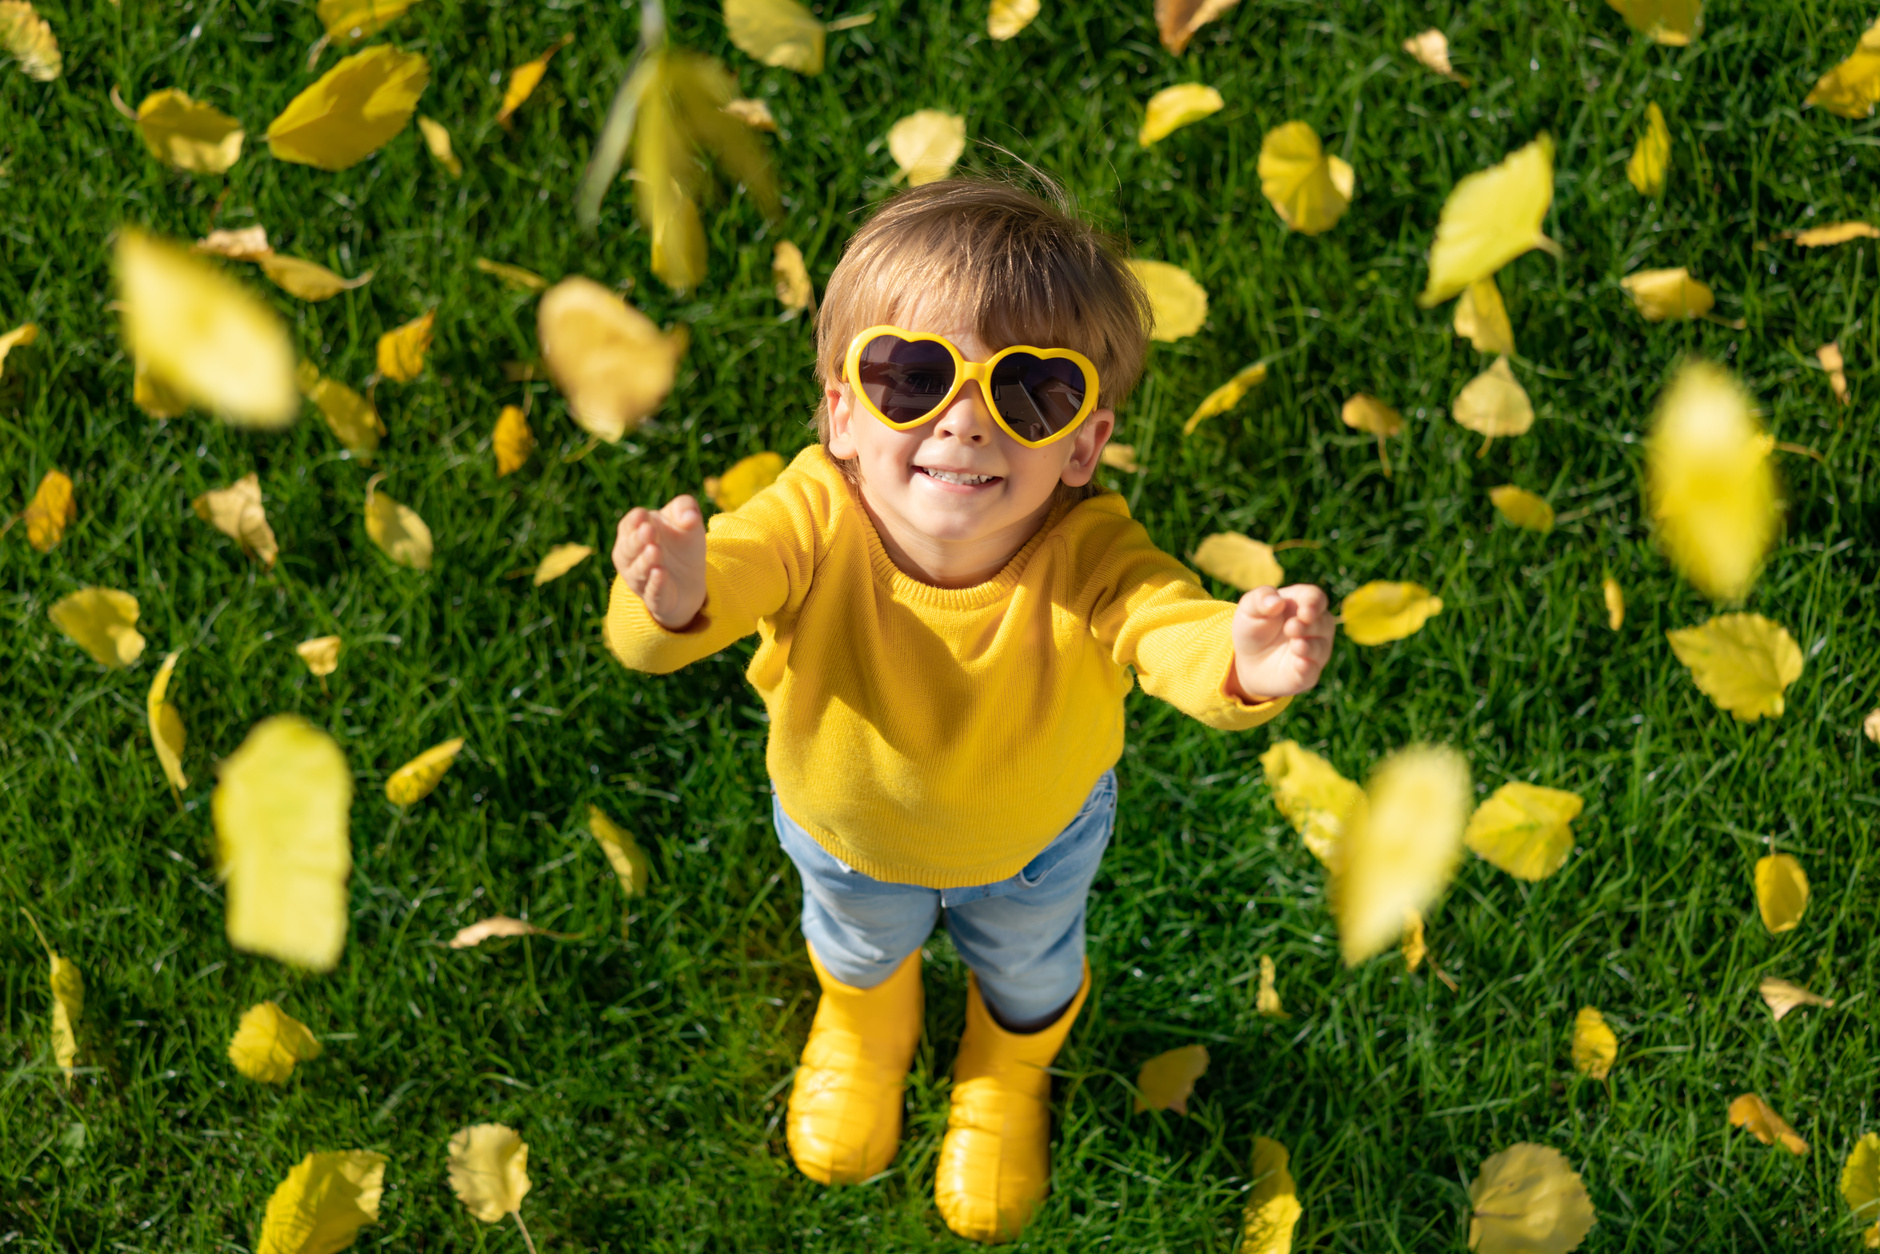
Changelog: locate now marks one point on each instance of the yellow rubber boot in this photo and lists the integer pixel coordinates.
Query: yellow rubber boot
(845, 1107)
(995, 1161)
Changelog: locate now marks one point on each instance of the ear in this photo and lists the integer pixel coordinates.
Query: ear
(1087, 447)
(841, 416)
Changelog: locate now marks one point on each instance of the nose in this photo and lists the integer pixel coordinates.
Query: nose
(967, 419)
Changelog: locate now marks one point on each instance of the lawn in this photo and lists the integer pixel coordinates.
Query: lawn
(647, 1063)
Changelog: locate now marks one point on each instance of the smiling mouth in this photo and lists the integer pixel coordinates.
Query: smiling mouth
(956, 477)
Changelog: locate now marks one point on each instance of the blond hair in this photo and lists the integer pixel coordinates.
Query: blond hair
(1023, 270)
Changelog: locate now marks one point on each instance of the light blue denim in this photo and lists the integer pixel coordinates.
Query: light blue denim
(1023, 936)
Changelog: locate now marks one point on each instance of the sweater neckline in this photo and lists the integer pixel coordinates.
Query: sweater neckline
(909, 589)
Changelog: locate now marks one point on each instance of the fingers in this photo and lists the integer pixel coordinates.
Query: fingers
(682, 513)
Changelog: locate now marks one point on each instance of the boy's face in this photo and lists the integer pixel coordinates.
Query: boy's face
(963, 438)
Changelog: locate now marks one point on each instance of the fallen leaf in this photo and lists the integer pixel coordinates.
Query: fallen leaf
(1525, 829)
(1853, 87)
(560, 560)
(236, 512)
(512, 441)
(1651, 155)
(1762, 1122)
(1482, 319)
(324, 1201)
(1363, 412)
(352, 110)
(1239, 560)
(1228, 395)
(1860, 1184)
(1008, 17)
(1783, 997)
(268, 1042)
(1829, 355)
(283, 808)
(1273, 1210)
(1431, 48)
(1871, 726)
(1743, 662)
(610, 361)
(489, 1170)
(1670, 22)
(349, 415)
(397, 529)
(1178, 305)
(1178, 20)
(1175, 107)
(1318, 801)
(202, 335)
(1522, 508)
(1662, 294)
(1710, 482)
(28, 39)
(1528, 1200)
(753, 113)
(187, 135)
(402, 350)
(794, 289)
(1490, 218)
(1266, 1000)
(321, 654)
(1492, 404)
(414, 781)
(305, 279)
(744, 480)
(102, 622)
(1415, 948)
(515, 276)
(1308, 188)
(67, 984)
(629, 860)
(356, 19)
(154, 396)
(18, 337)
(1595, 1047)
(166, 724)
(437, 140)
(926, 145)
(1836, 233)
(1381, 611)
(1120, 457)
(51, 511)
(249, 243)
(1401, 848)
(1781, 892)
(780, 33)
(499, 925)
(1166, 1080)
(525, 78)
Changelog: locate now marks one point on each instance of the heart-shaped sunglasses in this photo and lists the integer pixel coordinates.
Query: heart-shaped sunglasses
(1036, 395)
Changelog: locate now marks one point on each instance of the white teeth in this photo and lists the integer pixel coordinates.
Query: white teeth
(949, 476)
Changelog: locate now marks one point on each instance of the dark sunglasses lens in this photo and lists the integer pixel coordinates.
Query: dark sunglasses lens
(905, 379)
(1037, 396)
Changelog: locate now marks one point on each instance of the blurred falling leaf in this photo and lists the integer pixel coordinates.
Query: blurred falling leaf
(1307, 187)
(1522, 508)
(1709, 479)
(1860, 1185)
(1363, 412)
(28, 39)
(1595, 1047)
(305, 279)
(1743, 662)
(1829, 355)
(1753, 1114)
(349, 415)
(794, 289)
(489, 1170)
(1228, 395)
(610, 361)
(236, 512)
(1615, 602)
(1662, 294)
(1651, 155)
(1318, 801)
(1239, 560)
(1415, 948)
(1670, 22)
(283, 808)
(1783, 997)
(102, 622)
(1178, 305)
(1528, 1200)
(524, 79)
(437, 139)
(1273, 1209)
(1482, 319)
(414, 781)
(249, 243)
(560, 560)
(1266, 1000)
(499, 925)
(780, 33)
(1492, 404)
(1008, 17)
(1178, 20)
(268, 1042)
(629, 860)
(753, 113)
(512, 441)
(926, 145)
(202, 335)
(397, 529)
(402, 349)
(1175, 107)
(1431, 47)
(352, 110)
(166, 725)
(746, 478)
(1853, 87)
(1525, 829)
(1490, 218)
(324, 1201)
(67, 983)
(1836, 233)
(182, 133)
(1401, 848)
(1381, 611)
(1166, 1080)
(51, 511)
(154, 396)
(356, 19)
(1120, 457)
(1781, 892)
(515, 276)
(321, 654)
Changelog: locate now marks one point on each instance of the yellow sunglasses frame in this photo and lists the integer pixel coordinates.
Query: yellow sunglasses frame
(969, 371)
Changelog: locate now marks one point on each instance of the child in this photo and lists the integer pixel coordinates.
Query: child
(946, 605)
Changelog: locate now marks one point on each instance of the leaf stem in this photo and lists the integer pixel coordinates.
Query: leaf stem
(526, 1239)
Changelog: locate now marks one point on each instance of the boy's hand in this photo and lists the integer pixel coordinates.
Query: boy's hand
(661, 555)
(1282, 640)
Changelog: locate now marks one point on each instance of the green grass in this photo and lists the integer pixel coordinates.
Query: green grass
(648, 1073)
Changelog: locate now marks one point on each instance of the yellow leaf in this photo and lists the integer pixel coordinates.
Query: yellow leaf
(349, 415)
(1595, 1047)
(166, 725)
(1401, 848)
(1829, 355)
(926, 145)
(1008, 17)
(1178, 20)
(1836, 233)
(180, 132)
(744, 480)
(1431, 47)
(1860, 1182)
(560, 560)
(1175, 107)
(1382, 611)
(154, 396)
(437, 139)
(321, 654)
(1318, 801)
(1662, 294)
(1166, 1080)
(324, 1201)
(794, 289)
(1525, 829)
(397, 529)
(1490, 218)
(1266, 1000)
(780, 33)
(1743, 662)
(1307, 188)
(753, 113)
(1871, 726)
(1783, 997)
(629, 860)
(355, 19)
(1178, 305)
(18, 337)
(202, 335)
(51, 511)
(268, 1042)
(1522, 508)
(1781, 892)
(498, 925)
(236, 512)
(1651, 156)
(1669, 22)
(515, 276)
(524, 79)
(249, 243)
(352, 110)
(1853, 87)
(1482, 319)
(305, 279)
(68, 1003)
(1762, 1122)
(1415, 948)
(1711, 486)
(610, 361)
(1273, 1209)
(1120, 457)
(283, 809)
(1615, 602)
(1228, 395)
(102, 622)
(413, 782)
(1494, 403)
(512, 441)
(489, 1170)
(28, 39)
(1239, 560)
(402, 349)
(1528, 1200)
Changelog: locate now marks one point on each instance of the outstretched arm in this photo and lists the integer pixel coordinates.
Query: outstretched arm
(660, 555)
(1282, 640)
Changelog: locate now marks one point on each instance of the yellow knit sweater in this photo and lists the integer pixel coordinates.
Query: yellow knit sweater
(942, 736)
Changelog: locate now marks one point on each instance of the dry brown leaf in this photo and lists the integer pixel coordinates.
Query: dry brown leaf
(50, 512)
(1759, 1118)
(1178, 20)
(237, 513)
(1783, 997)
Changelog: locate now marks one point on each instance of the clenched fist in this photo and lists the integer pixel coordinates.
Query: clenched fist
(1282, 640)
(661, 555)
